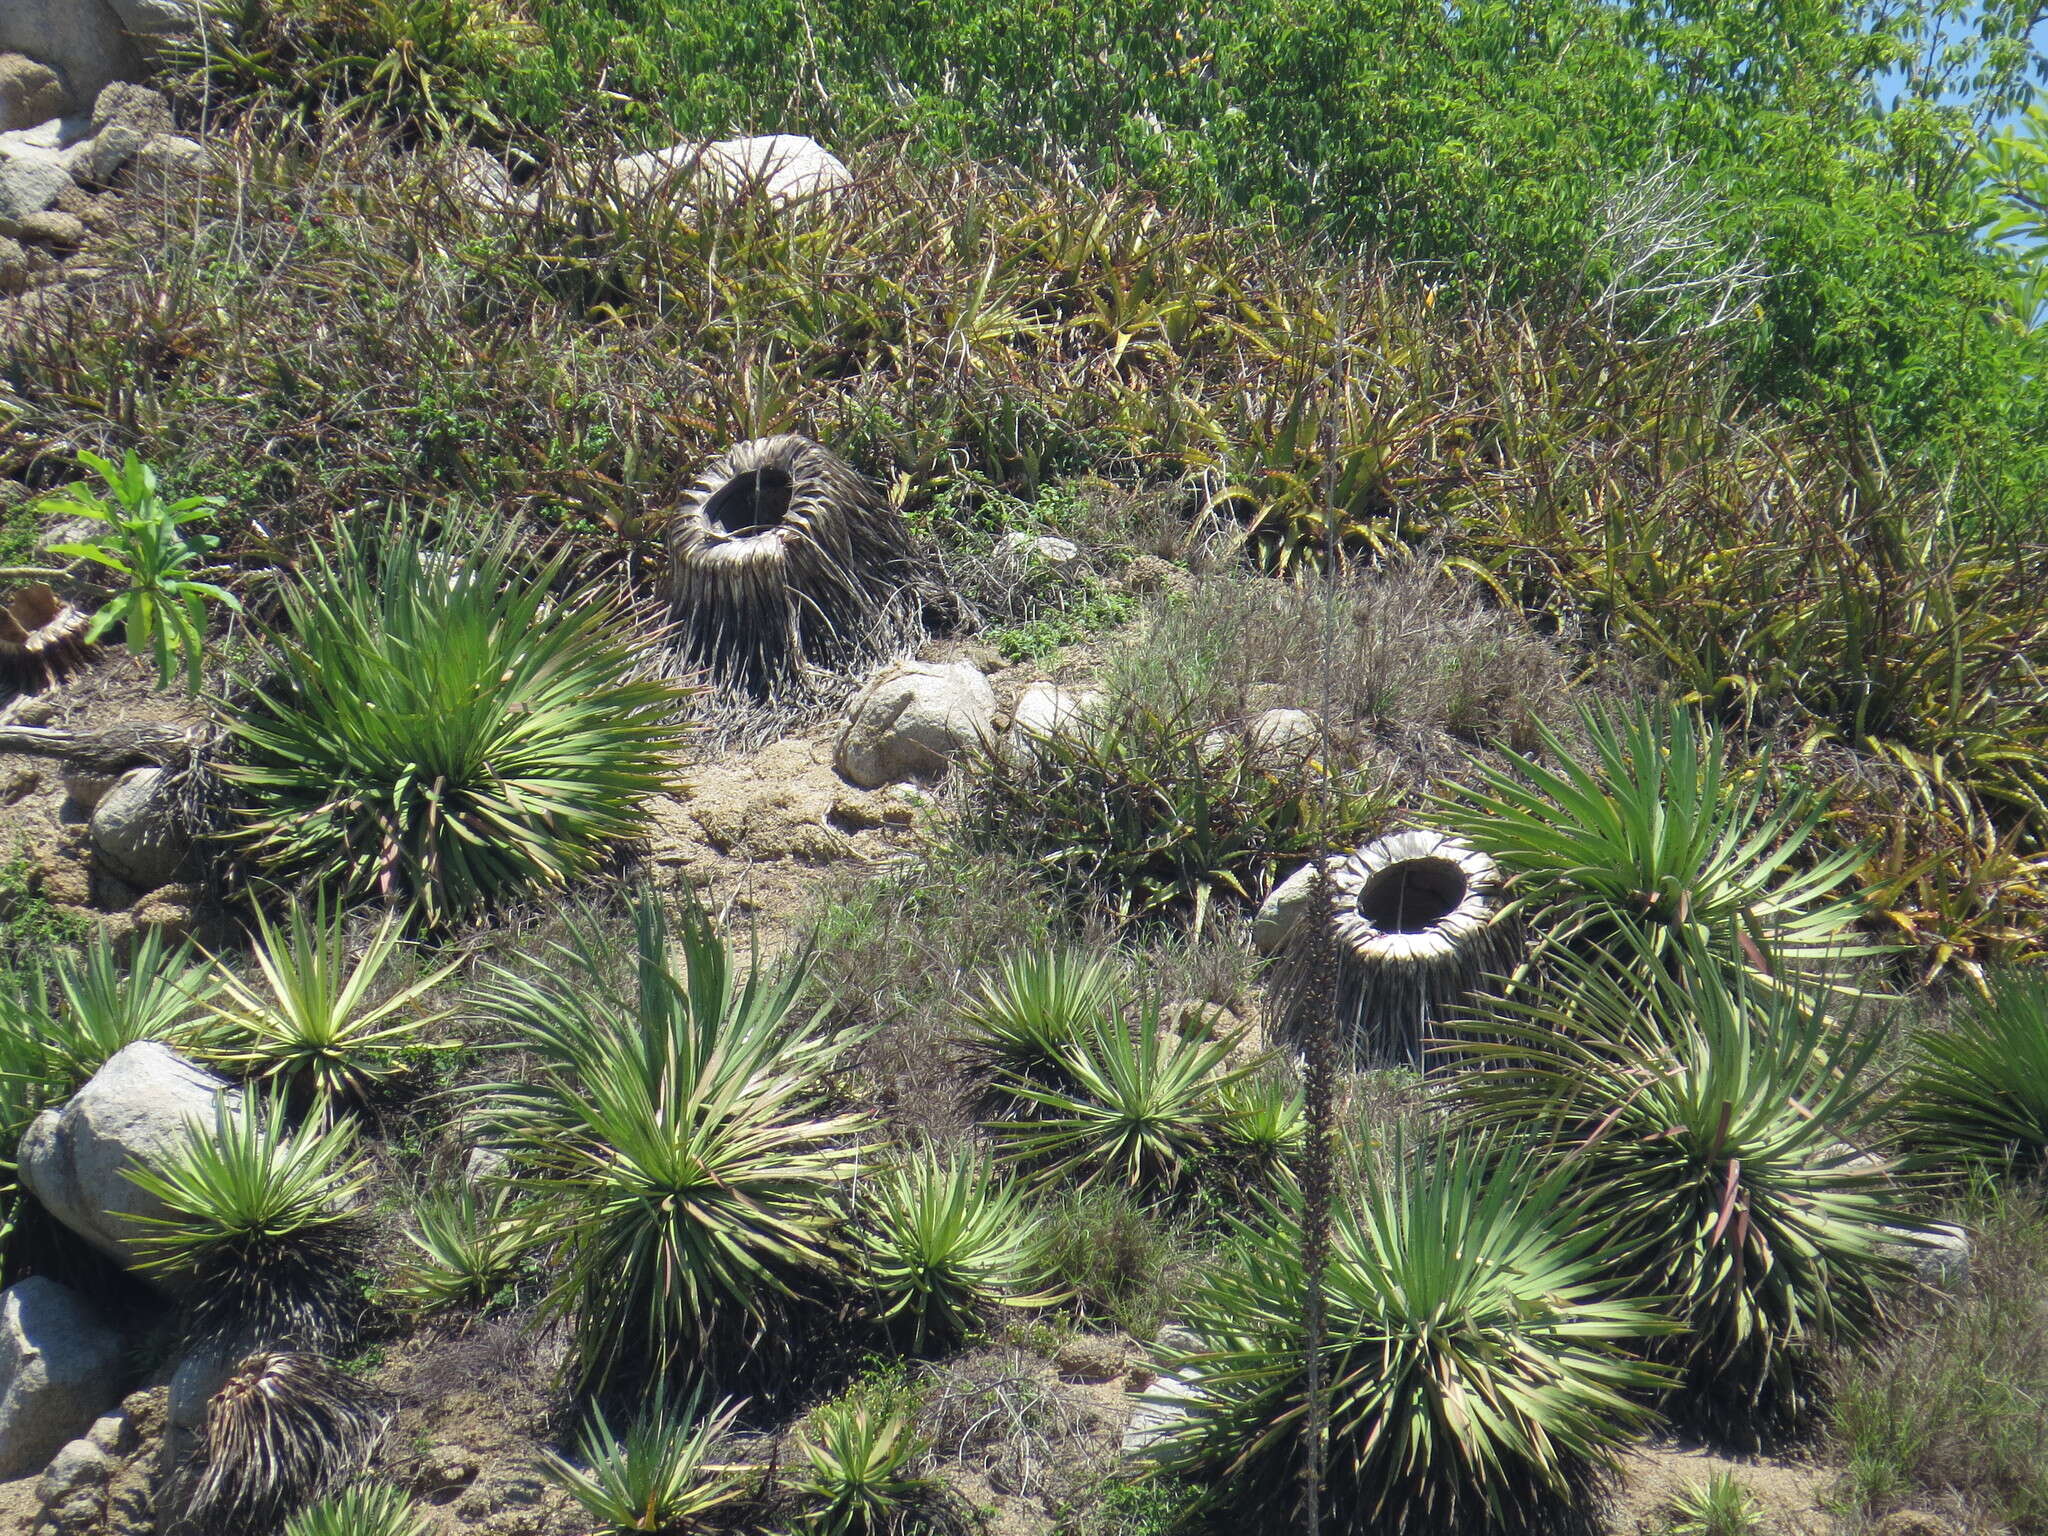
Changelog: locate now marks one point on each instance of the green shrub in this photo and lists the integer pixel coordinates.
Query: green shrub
(1709, 1123)
(1119, 1259)
(659, 1477)
(1134, 1103)
(446, 728)
(1978, 1086)
(1947, 1406)
(1657, 832)
(1477, 1369)
(261, 1232)
(370, 1510)
(162, 604)
(941, 1241)
(1146, 816)
(684, 1162)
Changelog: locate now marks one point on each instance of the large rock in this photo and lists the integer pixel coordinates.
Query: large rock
(133, 1113)
(30, 93)
(60, 1368)
(32, 174)
(913, 720)
(1047, 712)
(125, 118)
(152, 23)
(785, 168)
(84, 40)
(1285, 906)
(138, 830)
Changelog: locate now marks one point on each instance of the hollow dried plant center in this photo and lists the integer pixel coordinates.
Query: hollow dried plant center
(1413, 896)
(751, 503)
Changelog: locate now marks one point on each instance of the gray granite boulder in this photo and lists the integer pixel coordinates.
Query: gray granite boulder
(60, 1368)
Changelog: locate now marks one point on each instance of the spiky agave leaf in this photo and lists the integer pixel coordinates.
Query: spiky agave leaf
(306, 1020)
(285, 1429)
(447, 728)
(1978, 1086)
(941, 1241)
(781, 554)
(373, 1509)
(1024, 1017)
(1711, 1122)
(1657, 831)
(657, 1477)
(261, 1233)
(470, 1246)
(678, 1141)
(1134, 1102)
(1478, 1372)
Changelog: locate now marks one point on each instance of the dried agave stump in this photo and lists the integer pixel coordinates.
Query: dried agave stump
(783, 556)
(42, 639)
(1416, 922)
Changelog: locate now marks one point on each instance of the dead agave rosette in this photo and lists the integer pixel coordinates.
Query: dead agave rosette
(782, 555)
(1416, 919)
(42, 638)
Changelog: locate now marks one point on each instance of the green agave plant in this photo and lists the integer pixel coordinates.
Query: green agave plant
(369, 1510)
(448, 729)
(307, 1021)
(676, 1138)
(261, 1232)
(470, 1247)
(1265, 1121)
(659, 1476)
(1135, 1103)
(106, 1004)
(859, 1476)
(1978, 1086)
(1479, 1374)
(1024, 1018)
(941, 1241)
(1709, 1122)
(1656, 831)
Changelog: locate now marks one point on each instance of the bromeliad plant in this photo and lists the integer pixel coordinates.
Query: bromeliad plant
(684, 1161)
(1479, 1374)
(941, 1241)
(1659, 832)
(152, 547)
(1978, 1087)
(859, 1476)
(367, 1510)
(306, 1020)
(261, 1231)
(471, 1247)
(1709, 1122)
(659, 1477)
(447, 729)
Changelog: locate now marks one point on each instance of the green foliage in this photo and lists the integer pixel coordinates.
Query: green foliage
(941, 1241)
(371, 1509)
(1135, 1103)
(1659, 834)
(449, 728)
(260, 1230)
(859, 1475)
(1978, 1086)
(1024, 1019)
(1476, 1366)
(105, 1004)
(1946, 1409)
(1146, 815)
(471, 1247)
(162, 602)
(1117, 1257)
(1709, 1123)
(659, 1477)
(684, 1163)
(308, 1023)
(1716, 1505)
(1264, 1121)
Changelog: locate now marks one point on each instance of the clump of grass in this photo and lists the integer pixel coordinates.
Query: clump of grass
(1949, 1405)
(1717, 1505)
(446, 727)
(1123, 1263)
